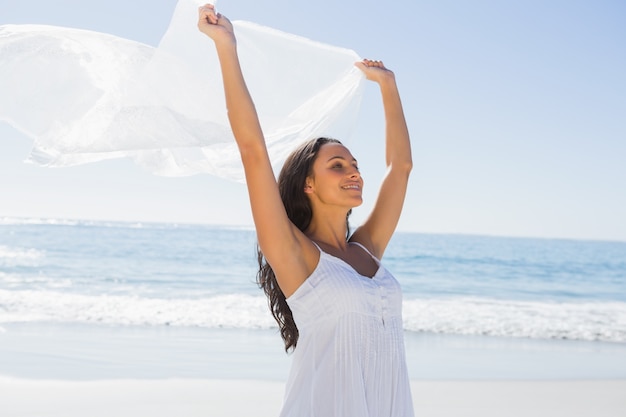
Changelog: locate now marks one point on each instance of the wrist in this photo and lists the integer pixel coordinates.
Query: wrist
(387, 79)
(225, 43)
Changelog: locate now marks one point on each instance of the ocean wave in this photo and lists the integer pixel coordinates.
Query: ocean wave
(234, 311)
(18, 256)
(19, 221)
(18, 281)
(41, 221)
(591, 321)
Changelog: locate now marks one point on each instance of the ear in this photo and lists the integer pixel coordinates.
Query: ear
(308, 187)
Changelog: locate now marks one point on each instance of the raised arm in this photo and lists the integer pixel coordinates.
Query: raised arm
(281, 242)
(378, 228)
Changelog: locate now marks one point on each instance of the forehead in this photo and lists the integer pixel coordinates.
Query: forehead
(332, 150)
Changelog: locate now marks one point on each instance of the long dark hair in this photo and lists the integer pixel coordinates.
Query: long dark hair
(291, 182)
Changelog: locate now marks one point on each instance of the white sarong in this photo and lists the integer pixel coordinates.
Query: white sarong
(84, 96)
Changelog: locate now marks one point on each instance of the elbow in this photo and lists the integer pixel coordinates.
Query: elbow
(401, 169)
(408, 166)
(405, 166)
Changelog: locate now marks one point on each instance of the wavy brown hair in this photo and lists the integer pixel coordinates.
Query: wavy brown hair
(291, 182)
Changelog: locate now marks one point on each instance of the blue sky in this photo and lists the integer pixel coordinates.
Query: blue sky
(517, 112)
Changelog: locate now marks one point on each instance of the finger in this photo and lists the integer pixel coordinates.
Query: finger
(208, 12)
(373, 63)
(206, 9)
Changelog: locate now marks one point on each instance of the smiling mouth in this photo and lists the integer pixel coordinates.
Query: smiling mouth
(351, 187)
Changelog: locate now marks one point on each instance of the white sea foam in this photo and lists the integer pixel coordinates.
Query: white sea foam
(42, 221)
(40, 281)
(18, 256)
(10, 221)
(39, 221)
(597, 321)
(468, 316)
(236, 311)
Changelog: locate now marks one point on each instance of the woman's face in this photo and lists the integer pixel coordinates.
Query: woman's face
(335, 179)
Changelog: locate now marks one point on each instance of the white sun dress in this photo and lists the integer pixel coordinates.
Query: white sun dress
(350, 357)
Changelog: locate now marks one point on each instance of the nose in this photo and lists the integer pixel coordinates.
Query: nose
(354, 173)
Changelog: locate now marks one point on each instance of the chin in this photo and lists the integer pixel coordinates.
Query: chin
(358, 202)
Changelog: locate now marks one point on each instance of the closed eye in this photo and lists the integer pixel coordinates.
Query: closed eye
(341, 162)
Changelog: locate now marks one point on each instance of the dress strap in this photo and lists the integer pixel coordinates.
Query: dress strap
(368, 252)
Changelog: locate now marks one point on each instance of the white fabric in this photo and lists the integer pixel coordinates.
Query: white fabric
(85, 96)
(350, 358)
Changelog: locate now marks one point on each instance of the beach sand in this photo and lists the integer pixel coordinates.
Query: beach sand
(90, 371)
(234, 398)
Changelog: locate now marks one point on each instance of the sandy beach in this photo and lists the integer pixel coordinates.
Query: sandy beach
(81, 371)
(239, 398)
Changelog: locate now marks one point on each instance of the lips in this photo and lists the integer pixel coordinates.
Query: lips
(351, 187)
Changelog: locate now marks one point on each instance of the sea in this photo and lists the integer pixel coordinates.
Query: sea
(95, 299)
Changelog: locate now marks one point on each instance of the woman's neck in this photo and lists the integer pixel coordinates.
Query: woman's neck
(329, 231)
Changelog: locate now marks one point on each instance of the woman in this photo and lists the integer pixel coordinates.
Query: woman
(337, 307)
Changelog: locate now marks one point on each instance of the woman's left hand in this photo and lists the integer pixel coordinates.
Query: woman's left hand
(374, 70)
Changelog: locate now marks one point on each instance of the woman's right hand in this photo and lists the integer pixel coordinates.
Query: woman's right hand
(215, 25)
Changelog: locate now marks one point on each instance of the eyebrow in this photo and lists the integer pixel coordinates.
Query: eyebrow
(339, 157)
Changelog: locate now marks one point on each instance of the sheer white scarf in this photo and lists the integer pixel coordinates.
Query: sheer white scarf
(86, 96)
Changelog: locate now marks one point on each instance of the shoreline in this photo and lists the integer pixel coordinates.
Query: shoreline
(233, 398)
(86, 352)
